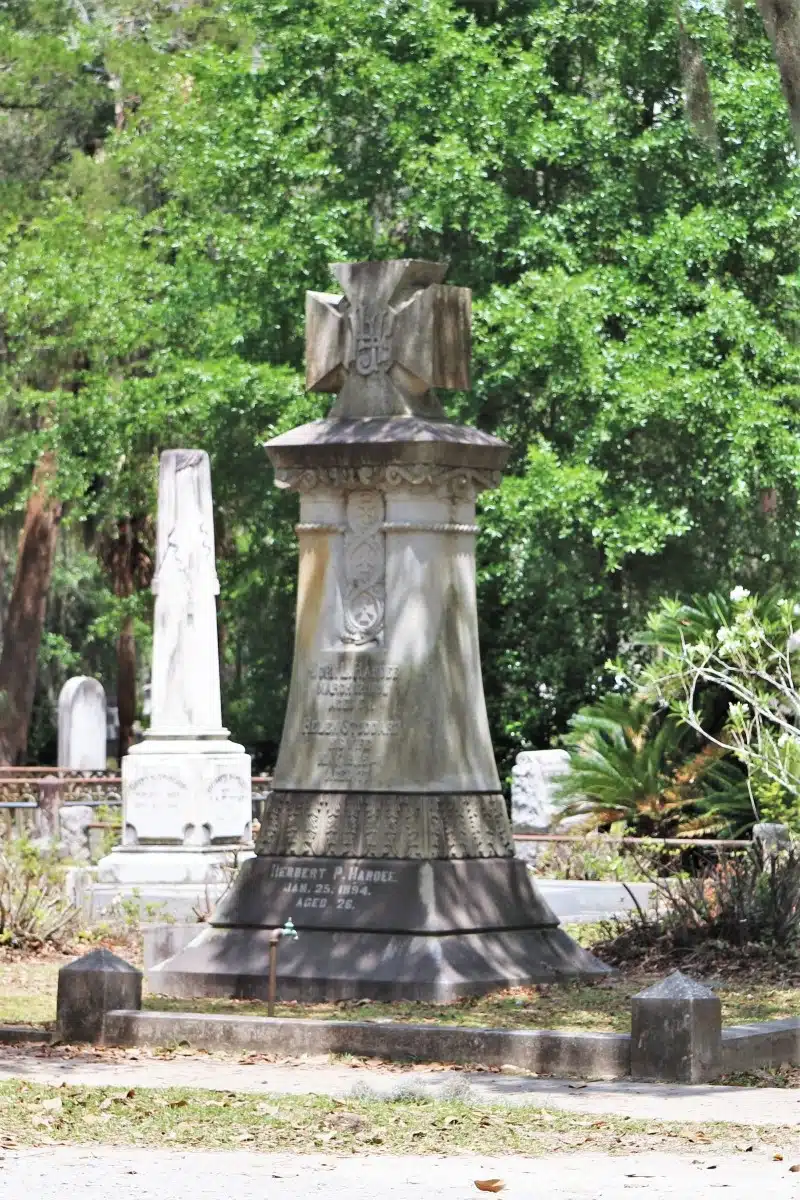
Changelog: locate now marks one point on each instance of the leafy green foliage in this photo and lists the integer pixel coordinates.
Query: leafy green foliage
(640, 767)
(736, 658)
(635, 280)
(34, 909)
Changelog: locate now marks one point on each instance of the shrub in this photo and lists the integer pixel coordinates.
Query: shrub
(744, 899)
(634, 764)
(34, 910)
(592, 858)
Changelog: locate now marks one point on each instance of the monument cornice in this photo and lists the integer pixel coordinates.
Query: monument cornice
(387, 453)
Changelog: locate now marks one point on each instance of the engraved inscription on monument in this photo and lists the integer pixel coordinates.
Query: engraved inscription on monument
(155, 804)
(334, 888)
(351, 735)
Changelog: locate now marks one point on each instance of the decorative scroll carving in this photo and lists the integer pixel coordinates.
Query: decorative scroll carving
(461, 483)
(370, 825)
(365, 568)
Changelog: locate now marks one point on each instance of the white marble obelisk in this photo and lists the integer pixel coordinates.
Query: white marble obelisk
(186, 788)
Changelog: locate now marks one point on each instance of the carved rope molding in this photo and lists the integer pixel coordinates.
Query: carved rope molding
(389, 527)
(428, 527)
(459, 482)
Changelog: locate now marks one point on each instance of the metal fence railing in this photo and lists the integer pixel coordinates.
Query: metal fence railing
(32, 797)
(607, 839)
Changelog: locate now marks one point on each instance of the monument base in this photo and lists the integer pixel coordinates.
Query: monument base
(177, 882)
(132, 866)
(186, 793)
(381, 928)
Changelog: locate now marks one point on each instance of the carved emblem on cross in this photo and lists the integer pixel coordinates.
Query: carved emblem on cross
(396, 333)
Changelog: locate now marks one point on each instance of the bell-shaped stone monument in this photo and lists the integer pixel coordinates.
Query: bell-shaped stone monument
(386, 837)
(186, 793)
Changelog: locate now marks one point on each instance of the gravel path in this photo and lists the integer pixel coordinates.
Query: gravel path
(132, 1174)
(756, 1106)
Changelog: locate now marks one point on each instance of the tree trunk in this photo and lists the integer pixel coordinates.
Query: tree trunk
(26, 613)
(782, 22)
(126, 643)
(126, 685)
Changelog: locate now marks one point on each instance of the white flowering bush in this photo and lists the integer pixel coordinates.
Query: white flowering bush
(735, 655)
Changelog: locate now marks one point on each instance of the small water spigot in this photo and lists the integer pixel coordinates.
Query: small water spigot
(288, 931)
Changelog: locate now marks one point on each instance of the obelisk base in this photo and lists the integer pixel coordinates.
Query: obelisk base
(187, 812)
(380, 928)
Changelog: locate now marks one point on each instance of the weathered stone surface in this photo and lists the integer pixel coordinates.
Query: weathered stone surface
(762, 1044)
(534, 778)
(676, 1032)
(82, 724)
(386, 753)
(356, 825)
(385, 895)
(195, 797)
(396, 333)
(451, 459)
(386, 692)
(90, 987)
(349, 964)
(185, 691)
(161, 941)
(73, 824)
(540, 1051)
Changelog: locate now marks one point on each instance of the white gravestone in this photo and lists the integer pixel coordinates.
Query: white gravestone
(534, 783)
(185, 788)
(82, 725)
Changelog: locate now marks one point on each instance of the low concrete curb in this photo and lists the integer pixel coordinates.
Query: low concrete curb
(542, 1051)
(676, 1032)
(766, 1044)
(15, 1035)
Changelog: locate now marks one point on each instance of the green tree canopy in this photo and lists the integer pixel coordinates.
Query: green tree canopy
(617, 183)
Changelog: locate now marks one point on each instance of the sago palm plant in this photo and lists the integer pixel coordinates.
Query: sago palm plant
(640, 766)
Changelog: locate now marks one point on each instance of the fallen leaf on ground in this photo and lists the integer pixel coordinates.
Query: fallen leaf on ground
(777, 1158)
(577, 1087)
(795, 1169)
(490, 1185)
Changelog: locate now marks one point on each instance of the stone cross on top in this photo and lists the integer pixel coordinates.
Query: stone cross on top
(396, 333)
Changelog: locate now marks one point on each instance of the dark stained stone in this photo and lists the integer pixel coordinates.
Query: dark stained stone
(90, 987)
(676, 1032)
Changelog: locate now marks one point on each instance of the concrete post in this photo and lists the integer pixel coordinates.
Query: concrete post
(90, 987)
(676, 1032)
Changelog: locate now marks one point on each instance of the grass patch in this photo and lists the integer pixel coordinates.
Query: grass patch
(33, 1115)
(28, 989)
(28, 997)
(588, 1007)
